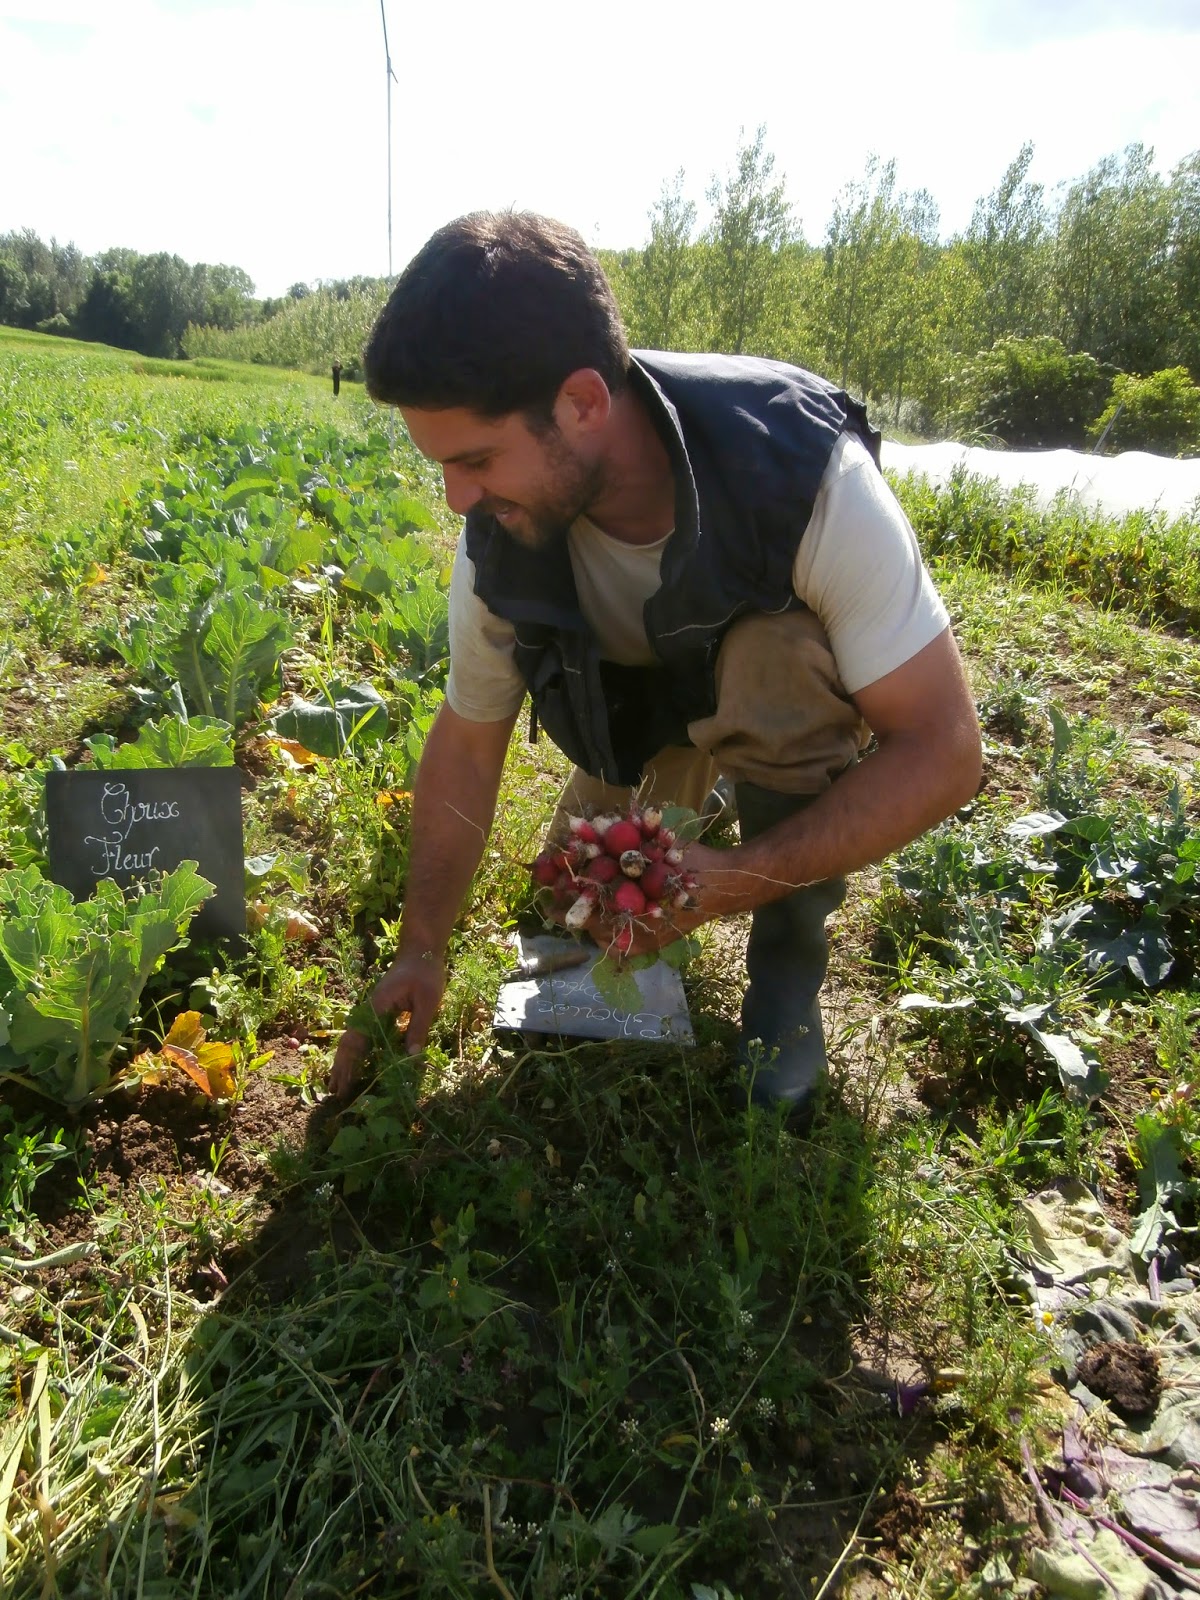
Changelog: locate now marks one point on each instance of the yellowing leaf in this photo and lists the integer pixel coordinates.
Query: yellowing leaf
(96, 574)
(552, 1156)
(216, 1059)
(208, 1065)
(148, 1067)
(294, 754)
(187, 1031)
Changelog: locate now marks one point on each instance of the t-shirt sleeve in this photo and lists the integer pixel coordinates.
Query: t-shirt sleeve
(484, 684)
(860, 570)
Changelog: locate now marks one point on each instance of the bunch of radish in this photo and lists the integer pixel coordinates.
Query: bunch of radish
(620, 868)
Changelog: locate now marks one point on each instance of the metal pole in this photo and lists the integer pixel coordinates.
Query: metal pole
(1109, 429)
(391, 78)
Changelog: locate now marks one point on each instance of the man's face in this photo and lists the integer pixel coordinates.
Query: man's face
(534, 484)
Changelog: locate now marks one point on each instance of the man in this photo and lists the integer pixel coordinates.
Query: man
(693, 565)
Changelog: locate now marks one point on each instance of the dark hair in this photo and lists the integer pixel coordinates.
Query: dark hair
(492, 314)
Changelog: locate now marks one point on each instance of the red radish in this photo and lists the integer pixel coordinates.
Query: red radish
(675, 857)
(653, 911)
(651, 821)
(623, 939)
(665, 838)
(603, 870)
(653, 852)
(601, 825)
(546, 869)
(627, 896)
(633, 863)
(565, 889)
(622, 836)
(654, 880)
(582, 829)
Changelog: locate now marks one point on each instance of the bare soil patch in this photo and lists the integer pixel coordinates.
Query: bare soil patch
(1126, 1375)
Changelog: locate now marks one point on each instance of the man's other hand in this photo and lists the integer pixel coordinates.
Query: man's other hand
(414, 984)
(720, 888)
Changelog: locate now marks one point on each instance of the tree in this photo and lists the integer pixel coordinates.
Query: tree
(1006, 249)
(13, 302)
(752, 222)
(879, 290)
(1112, 258)
(905, 336)
(661, 279)
(1185, 261)
(106, 314)
(221, 296)
(161, 302)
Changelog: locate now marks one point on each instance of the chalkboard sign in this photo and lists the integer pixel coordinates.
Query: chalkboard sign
(566, 1001)
(125, 824)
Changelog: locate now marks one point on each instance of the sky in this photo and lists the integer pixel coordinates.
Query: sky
(254, 132)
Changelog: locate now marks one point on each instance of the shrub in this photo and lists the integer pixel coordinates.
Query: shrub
(1028, 393)
(1141, 562)
(1159, 413)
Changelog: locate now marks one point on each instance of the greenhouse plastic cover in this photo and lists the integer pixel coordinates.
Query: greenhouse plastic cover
(1113, 485)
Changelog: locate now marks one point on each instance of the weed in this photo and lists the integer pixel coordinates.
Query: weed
(27, 1152)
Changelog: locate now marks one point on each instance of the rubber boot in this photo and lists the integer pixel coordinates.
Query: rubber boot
(786, 960)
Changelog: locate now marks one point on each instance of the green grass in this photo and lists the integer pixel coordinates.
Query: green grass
(1142, 563)
(537, 1320)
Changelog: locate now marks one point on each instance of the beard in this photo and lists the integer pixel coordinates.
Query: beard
(569, 487)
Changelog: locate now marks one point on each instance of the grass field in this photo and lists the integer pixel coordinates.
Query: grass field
(534, 1319)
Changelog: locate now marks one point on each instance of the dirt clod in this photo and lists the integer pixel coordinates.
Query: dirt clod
(900, 1520)
(1125, 1374)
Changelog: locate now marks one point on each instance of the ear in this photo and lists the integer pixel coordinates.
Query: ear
(583, 404)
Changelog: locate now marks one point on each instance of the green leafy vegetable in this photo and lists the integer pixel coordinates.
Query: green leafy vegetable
(71, 974)
(348, 715)
(1160, 1180)
(172, 742)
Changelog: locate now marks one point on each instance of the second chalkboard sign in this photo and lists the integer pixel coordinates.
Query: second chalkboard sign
(125, 824)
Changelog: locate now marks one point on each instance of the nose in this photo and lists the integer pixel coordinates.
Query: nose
(461, 489)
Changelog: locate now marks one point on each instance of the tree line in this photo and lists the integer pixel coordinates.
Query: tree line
(1109, 268)
(143, 302)
(1023, 327)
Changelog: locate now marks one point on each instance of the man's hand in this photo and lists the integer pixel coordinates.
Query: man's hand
(722, 888)
(454, 799)
(413, 984)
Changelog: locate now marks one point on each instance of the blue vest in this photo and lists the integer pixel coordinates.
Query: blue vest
(748, 441)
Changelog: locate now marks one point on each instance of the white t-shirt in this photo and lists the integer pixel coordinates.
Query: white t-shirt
(858, 568)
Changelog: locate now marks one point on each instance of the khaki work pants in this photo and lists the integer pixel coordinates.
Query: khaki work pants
(783, 722)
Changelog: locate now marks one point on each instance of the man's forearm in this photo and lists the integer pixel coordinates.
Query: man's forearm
(881, 804)
(454, 803)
